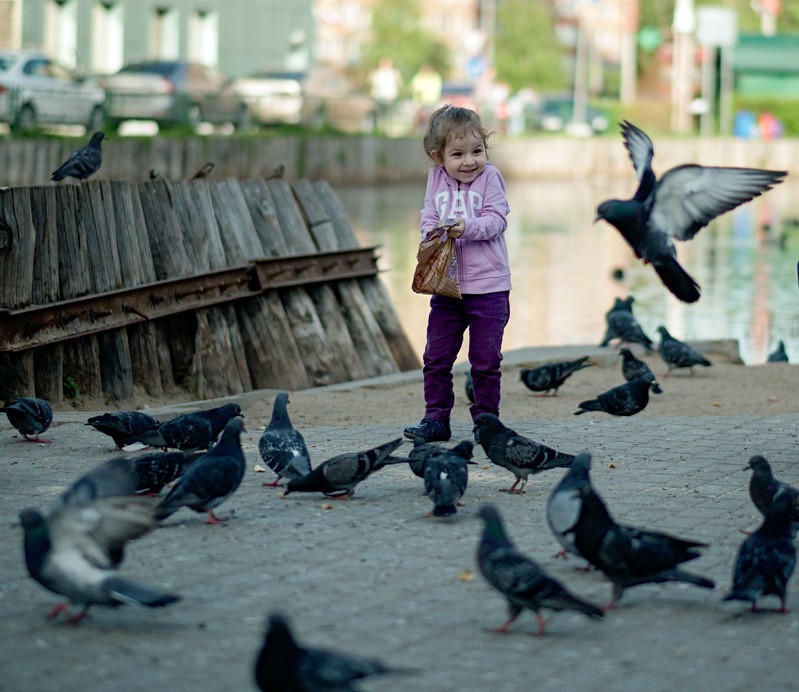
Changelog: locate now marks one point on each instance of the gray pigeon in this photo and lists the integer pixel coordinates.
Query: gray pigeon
(630, 556)
(520, 455)
(766, 559)
(284, 665)
(632, 368)
(211, 479)
(123, 427)
(337, 477)
(624, 400)
(84, 162)
(282, 446)
(677, 354)
(445, 478)
(75, 550)
(763, 487)
(420, 453)
(551, 376)
(29, 415)
(468, 387)
(678, 206)
(190, 432)
(563, 505)
(622, 325)
(778, 355)
(520, 579)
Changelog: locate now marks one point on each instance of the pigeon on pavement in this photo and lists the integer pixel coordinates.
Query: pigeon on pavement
(778, 355)
(84, 162)
(520, 455)
(123, 426)
(563, 505)
(337, 477)
(677, 354)
(75, 550)
(29, 415)
(284, 665)
(282, 446)
(763, 487)
(551, 376)
(622, 325)
(468, 387)
(211, 479)
(632, 368)
(629, 556)
(445, 478)
(520, 579)
(678, 206)
(766, 559)
(624, 400)
(190, 432)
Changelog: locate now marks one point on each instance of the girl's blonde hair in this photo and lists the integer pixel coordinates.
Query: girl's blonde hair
(448, 123)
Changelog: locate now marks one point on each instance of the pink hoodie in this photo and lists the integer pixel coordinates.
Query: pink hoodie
(483, 265)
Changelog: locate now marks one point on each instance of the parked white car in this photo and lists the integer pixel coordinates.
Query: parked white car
(37, 90)
(273, 97)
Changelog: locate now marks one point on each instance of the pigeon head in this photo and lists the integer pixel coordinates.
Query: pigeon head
(463, 449)
(612, 211)
(759, 464)
(485, 424)
(97, 139)
(32, 520)
(663, 332)
(280, 415)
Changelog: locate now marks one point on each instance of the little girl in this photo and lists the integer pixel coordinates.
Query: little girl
(466, 195)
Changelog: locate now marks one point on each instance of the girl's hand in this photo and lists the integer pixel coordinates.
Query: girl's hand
(457, 228)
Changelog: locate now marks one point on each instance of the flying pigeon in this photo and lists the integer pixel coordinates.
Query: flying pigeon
(766, 559)
(468, 387)
(624, 400)
(763, 487)
(123, 426)
(75, 551)
(445, 478)
(551, 376)
(190, 432)
(29, 415)
(678, 206)
(211, 479)
(677, 354)
(284, 665)
(632, 368)
(779, 355)
(622, 325)
(338, 477)
(630, 556)
(563, 505)
(520, 455)
(282, 446)
(84, 162)
(520, 579)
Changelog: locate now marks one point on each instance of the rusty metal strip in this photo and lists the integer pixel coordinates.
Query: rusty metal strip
(34, 326)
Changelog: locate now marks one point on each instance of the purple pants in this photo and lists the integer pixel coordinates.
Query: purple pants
(485, 315)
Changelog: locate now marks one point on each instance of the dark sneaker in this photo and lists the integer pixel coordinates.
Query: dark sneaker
(430, 430)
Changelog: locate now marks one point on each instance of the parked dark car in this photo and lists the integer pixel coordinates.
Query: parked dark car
(174, 92)
(554, 113)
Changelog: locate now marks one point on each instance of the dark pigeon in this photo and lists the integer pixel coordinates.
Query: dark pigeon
(520, 455)
(29, 415)
(445, 478)
(763, 487)
(677, 354)
(338, 477)
(75, 551)
(779, 355)
(624, 400)
(190, 432)
(84, 162)
(123, 427)
(421, 452)
(284, 665)
(564, 503)
(211, 479)
(632, 368)
(112, 478)
(630, 556)
(282, 446)
(468, 387)
(551, 376)
(766, 559)
(678, 206)
(204, 172)
(622, 325)
(520, 579)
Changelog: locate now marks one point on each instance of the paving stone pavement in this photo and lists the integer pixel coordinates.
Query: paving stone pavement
(374, 576)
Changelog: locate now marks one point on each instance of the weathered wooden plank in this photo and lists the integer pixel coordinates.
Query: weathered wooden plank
(82, 368)
(294, 230)
(17, 243)
(317, 219)
(236, 227)
(337, 214)
(261, 206)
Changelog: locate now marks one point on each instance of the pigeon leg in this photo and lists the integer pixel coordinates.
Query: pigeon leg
(274, 484)
(77, 619)
(58, 608)
(38, 439)
(512, 490)
(504, 628)
(783, 608)
(213, 519)
(542, 623)
(562, 554)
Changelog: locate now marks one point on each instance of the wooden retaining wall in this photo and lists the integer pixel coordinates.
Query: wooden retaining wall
(61, 242)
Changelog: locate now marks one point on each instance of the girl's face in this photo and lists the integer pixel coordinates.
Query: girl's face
(464, 157)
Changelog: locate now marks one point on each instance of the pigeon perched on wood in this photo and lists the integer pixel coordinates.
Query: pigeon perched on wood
(632, 368)
(29, 415)
(469, 387)
(677, 354)
(778, 355)
(123, 426)
(563, 505)
(204, 172)
(766, 559)
(284, 665)
(337, 477)
(190, 432)
(520, 455)
(75, 550)
(445, 478)
(282, 446)
(551, 376)
(678, 206)
(84, 162)
(520, 579)
(211, 479)
(624, 400)
(622, 325)
(630, 556)
(763, 487)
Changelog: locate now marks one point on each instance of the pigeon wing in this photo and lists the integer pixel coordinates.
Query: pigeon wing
(641, 151)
